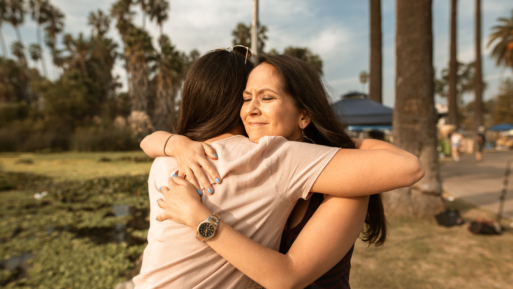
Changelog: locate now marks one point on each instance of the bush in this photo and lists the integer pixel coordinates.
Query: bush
(98, 139)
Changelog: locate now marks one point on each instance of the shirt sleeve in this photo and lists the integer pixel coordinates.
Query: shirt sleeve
(295, 166)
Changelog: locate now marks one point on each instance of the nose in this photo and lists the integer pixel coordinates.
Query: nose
(253, 107)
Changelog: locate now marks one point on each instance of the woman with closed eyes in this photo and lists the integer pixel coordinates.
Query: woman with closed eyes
(258, 186)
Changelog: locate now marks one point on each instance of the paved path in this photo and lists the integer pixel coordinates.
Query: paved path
(480, 183)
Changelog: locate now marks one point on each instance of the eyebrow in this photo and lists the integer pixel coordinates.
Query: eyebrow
(261, 90)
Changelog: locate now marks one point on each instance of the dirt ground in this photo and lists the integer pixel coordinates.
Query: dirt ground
(421, 254)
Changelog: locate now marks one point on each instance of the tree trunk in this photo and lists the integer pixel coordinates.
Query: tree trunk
(139, 82)
(376, 60)
(478, 75)
(254, 32)
(4, 48)
(452, 97)
(165, 102)
(414, 113)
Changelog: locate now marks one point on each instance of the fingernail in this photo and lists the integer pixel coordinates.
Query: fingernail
(218, 180)
(174, 176)
(216, 155)
(210, 190)
(157, 219)
(160, 188)
(199, 192)
(157, 201)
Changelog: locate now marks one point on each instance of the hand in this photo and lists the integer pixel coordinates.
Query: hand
(190, 158)
(182, 203)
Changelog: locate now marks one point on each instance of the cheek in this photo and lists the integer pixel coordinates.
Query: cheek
(283, 121)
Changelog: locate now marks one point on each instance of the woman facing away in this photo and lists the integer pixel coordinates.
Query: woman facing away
(263, 179)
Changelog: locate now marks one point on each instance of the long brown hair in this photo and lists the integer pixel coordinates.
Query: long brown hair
(212, 95)
(304, 84)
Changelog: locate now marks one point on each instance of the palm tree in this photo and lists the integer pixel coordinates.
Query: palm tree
(3, 14)
(414, 113)
(120, 11)
(452, 117)
(16, 15)
(78, 50)
(144, 8)
(103, 50)
(54, 26)
(18, 50)
(158, 10)
(168, 81)
(139, 48)
(305, 54)
(478, 75)
(502, 36)
(35, 52)
(376, 56)
(99, 21)
(242, 36)
(39, 12)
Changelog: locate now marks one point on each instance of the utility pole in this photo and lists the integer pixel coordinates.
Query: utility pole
(254, 32)
(478, 75)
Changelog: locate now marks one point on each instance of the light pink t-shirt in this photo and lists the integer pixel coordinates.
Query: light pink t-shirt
(261, 184)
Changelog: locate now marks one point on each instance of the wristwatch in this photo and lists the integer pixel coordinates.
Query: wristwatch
(208, 228)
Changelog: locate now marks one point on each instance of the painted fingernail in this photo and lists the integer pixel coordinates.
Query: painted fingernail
(157, 201)
(174, 176)
(216, 155)
(218, 180)
(160, 188)
(157, 219)
(210, 190)
(199, 192)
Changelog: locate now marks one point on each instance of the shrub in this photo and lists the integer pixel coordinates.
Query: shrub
(98, 139)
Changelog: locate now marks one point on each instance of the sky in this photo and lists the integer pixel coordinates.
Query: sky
(336, 30)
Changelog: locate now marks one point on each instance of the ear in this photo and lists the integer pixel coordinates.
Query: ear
(304, 119)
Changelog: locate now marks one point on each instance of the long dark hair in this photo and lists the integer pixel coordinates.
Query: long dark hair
(212, 95)
(304, 84)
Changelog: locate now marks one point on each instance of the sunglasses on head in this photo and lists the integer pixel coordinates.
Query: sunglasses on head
(239, 49)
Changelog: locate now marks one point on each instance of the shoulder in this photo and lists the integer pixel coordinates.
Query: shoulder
(162, 165)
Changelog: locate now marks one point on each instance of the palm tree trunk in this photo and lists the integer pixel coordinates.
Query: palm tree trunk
(18, 34)
(453, 69)
(376, 61)
(4, 48)
(167, 90)
(478, 75)
(414, 113)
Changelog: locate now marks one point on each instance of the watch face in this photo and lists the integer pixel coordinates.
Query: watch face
(206, 230)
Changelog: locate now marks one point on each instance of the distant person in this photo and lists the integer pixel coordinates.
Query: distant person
(455, 145)
(481, 140)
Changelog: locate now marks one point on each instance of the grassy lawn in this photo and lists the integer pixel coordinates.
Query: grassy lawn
(75, 166)
(418, 253)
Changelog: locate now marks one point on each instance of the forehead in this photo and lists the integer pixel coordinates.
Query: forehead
(264, 75)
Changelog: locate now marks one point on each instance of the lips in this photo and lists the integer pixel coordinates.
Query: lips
(256, 124)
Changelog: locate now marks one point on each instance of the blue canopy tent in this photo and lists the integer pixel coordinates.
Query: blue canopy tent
(501, 127)
(360, 113)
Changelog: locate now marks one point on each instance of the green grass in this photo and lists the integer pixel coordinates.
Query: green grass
(75, 166)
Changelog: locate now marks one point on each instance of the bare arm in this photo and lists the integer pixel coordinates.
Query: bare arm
(374, 167)
(191, 156)
(323, 242)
